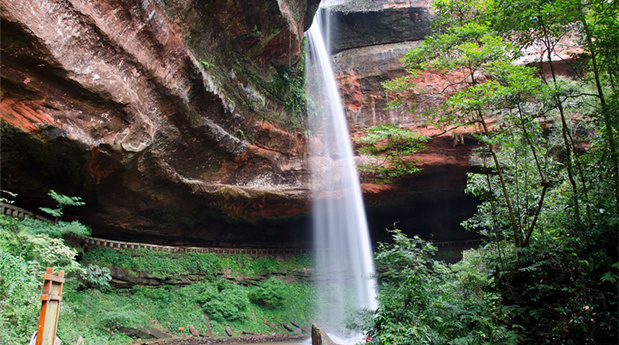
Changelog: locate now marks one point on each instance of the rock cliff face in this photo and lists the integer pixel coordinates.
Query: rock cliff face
(181, 121)
(365, 23)
(370, 39)
(168, 118)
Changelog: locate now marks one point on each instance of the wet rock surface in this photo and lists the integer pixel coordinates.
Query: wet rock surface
(360, 74)
(153, 112)
(175, 121)
(320, 337)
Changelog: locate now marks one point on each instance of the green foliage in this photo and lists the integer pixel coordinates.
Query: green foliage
(550, 180)
(40, 250)
(293, 82)
(423, 301)
(287, 86)
(156, 264)
(391, 137)
(62, 201)
(95, 314)
(270, 293)
(460, 55)
(470, 46)
(175, 265)
(27, 248)
(206, 65)
(225, 302)
(19, 302)
(459, 12)
(556, 282)
(393, 145)
(58, 229)
(98, 276)
(404, 258)
(244, 308)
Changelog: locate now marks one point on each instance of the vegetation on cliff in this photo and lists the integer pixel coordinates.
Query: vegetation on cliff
(549, 273)
(390, 148)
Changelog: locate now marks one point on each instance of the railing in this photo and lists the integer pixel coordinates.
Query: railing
(474, 242)
(18, 212)
(101, 242)
(14, 211)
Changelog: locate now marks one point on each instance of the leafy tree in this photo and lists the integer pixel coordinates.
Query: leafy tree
(464, 55)
(548, 143)
(484, 89)
(393, 145)
(590, 27)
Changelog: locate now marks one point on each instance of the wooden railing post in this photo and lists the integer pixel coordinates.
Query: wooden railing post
(50, 307)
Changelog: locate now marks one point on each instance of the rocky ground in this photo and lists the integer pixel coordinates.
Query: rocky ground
(249, 339)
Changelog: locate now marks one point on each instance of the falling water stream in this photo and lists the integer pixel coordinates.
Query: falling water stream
(344, 264)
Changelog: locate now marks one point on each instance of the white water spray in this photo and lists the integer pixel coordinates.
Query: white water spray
(344, 264)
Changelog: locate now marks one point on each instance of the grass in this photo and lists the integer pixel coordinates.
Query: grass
(163, 265)
(259, 307)
(95, 314)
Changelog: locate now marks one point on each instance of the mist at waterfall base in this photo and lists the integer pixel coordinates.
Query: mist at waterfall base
(343, 253)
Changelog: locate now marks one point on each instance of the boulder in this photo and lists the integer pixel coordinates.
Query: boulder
(193, 331)
(320, 337)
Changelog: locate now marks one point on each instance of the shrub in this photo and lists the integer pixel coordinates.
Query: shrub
(227, 302)
(270, 294)
(19, 302)
(423, 301)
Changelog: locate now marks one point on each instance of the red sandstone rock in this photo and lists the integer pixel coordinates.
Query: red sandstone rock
(140, 108)
(168, 122)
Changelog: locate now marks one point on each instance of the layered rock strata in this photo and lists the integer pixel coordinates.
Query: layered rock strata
(168, 118)
(181, 121)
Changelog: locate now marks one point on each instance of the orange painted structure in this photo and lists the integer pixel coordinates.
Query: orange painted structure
(50, 307)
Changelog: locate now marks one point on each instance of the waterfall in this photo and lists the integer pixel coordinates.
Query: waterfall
(343, 259)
